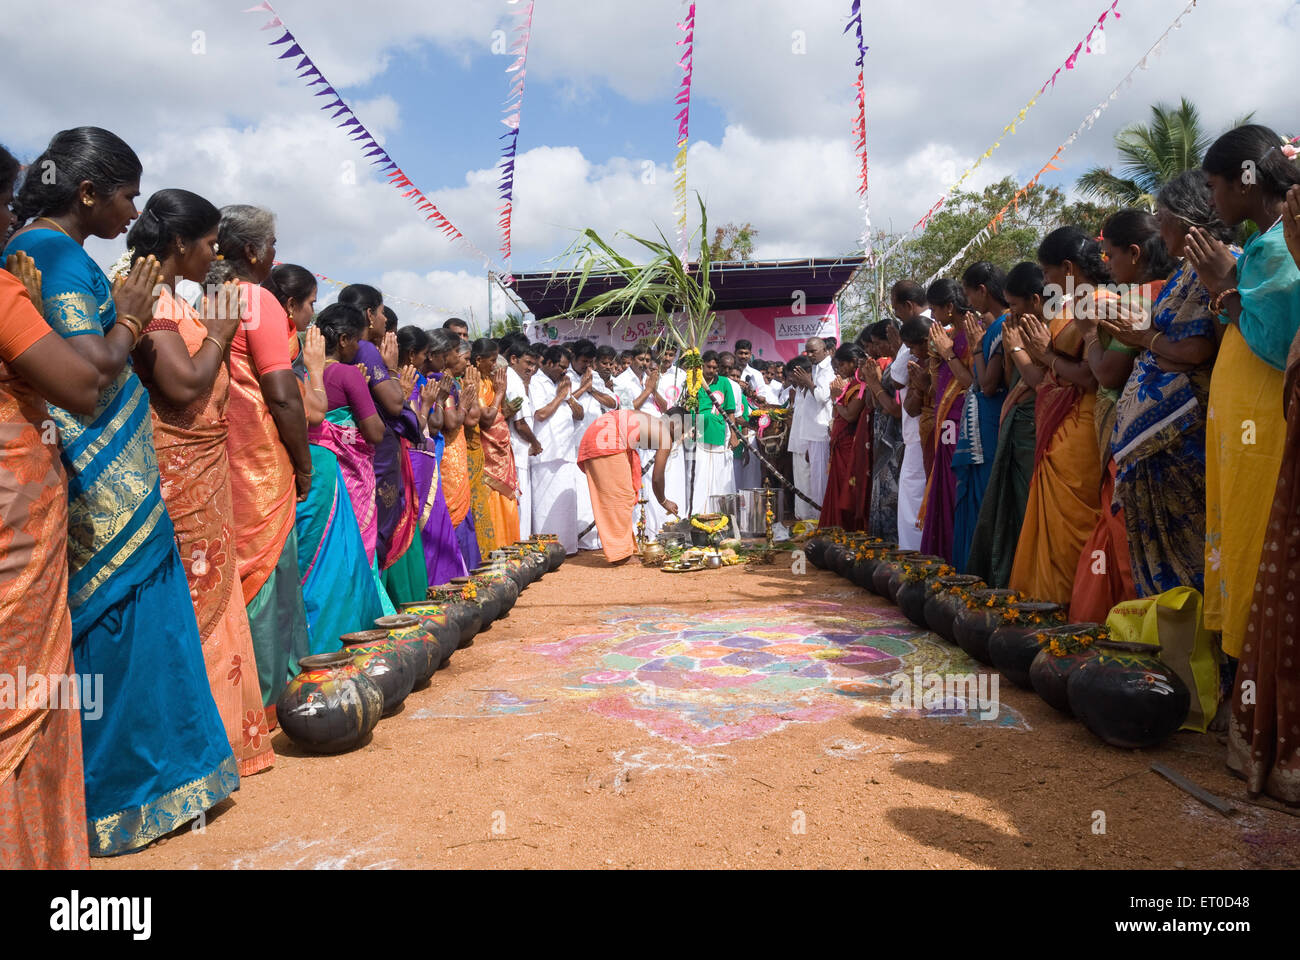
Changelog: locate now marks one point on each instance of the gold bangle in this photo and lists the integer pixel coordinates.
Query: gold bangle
(1152, 345)
(220, 346)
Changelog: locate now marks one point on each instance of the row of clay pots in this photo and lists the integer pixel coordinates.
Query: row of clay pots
(1122, 692)
(338, 698)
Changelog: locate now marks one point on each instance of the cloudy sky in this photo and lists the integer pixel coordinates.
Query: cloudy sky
(194, 88)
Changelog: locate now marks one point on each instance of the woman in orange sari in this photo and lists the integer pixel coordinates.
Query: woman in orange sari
(182, 363)
(1065, 491)
(270, 463)
(1139, 260)
(460, 411)
(42, 791)
(499, 477)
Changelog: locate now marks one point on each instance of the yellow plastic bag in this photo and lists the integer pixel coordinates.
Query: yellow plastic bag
(1173, 621)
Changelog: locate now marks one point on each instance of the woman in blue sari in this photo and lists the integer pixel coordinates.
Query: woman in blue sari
(977, 439)
(156, 754)
(331, 555)
(1159, 438)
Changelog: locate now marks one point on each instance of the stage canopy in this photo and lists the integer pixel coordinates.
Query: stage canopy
(737, 285)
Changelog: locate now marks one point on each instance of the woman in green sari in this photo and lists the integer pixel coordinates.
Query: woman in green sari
(1002, 512)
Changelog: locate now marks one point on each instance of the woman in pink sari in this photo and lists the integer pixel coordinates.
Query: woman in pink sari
(951, 375)
(352, 426)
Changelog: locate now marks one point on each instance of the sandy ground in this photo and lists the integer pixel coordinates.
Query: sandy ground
(515, 756)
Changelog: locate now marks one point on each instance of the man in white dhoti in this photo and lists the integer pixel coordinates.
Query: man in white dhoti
(555, 473)
(521, 364)
(672, 384)
(908, 301)
(637, 389)
(713, 474)
(588, 388)
(810, 427)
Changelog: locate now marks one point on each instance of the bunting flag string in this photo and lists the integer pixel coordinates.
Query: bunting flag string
(860, 127)
(352, 125)
(1087, 124)
(513, 109)
(1096, 34)
(687, 63)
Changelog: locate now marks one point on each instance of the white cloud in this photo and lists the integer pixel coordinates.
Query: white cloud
(943, 77)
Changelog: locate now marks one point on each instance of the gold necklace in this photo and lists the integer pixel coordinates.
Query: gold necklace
(55, 225)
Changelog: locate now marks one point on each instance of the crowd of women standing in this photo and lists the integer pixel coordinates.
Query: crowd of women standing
(1114, 421)
(201, 482)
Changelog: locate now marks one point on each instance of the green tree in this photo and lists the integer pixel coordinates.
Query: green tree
(513, 323)
(866, 298)
(1151, 154)
(731, 242)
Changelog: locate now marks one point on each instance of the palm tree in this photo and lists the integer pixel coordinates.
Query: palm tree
(677, 293)
(1150, 155)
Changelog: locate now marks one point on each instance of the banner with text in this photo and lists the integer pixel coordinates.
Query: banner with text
(777, 333)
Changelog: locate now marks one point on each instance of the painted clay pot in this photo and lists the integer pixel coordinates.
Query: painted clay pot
(439, 621)
(506, 585)
(947, 599)
(467, 613)
(1127, 696)
(834, 553)
(526, 564)
(554, 549)
(1049, 674)
(378, 657)
(508, 562)
(1013, 646)
(536, 554)
(488, 600)
(411, 636)
(330, 706)
(973, 628)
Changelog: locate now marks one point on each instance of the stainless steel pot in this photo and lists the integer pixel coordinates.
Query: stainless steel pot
(751, 517)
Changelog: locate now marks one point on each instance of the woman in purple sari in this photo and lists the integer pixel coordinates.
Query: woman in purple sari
(951, 375)
(442, 559)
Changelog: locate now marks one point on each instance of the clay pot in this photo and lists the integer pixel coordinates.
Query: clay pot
(379, 658)
(509, 563)
(554, 549)
(488, 599)
(535, 553)
(973, 628)
(440, 622)
(814, 549)
(896, 579)
(411, 635)
(942, 605)
(1014, 644)
(467, 614)
(886, 567)
(330, 706)
(865, 568)
(1049, 674)
(535, 556)
(1127, 696)
(509, 590)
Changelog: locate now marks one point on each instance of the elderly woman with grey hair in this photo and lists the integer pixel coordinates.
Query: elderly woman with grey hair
(270, 463)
